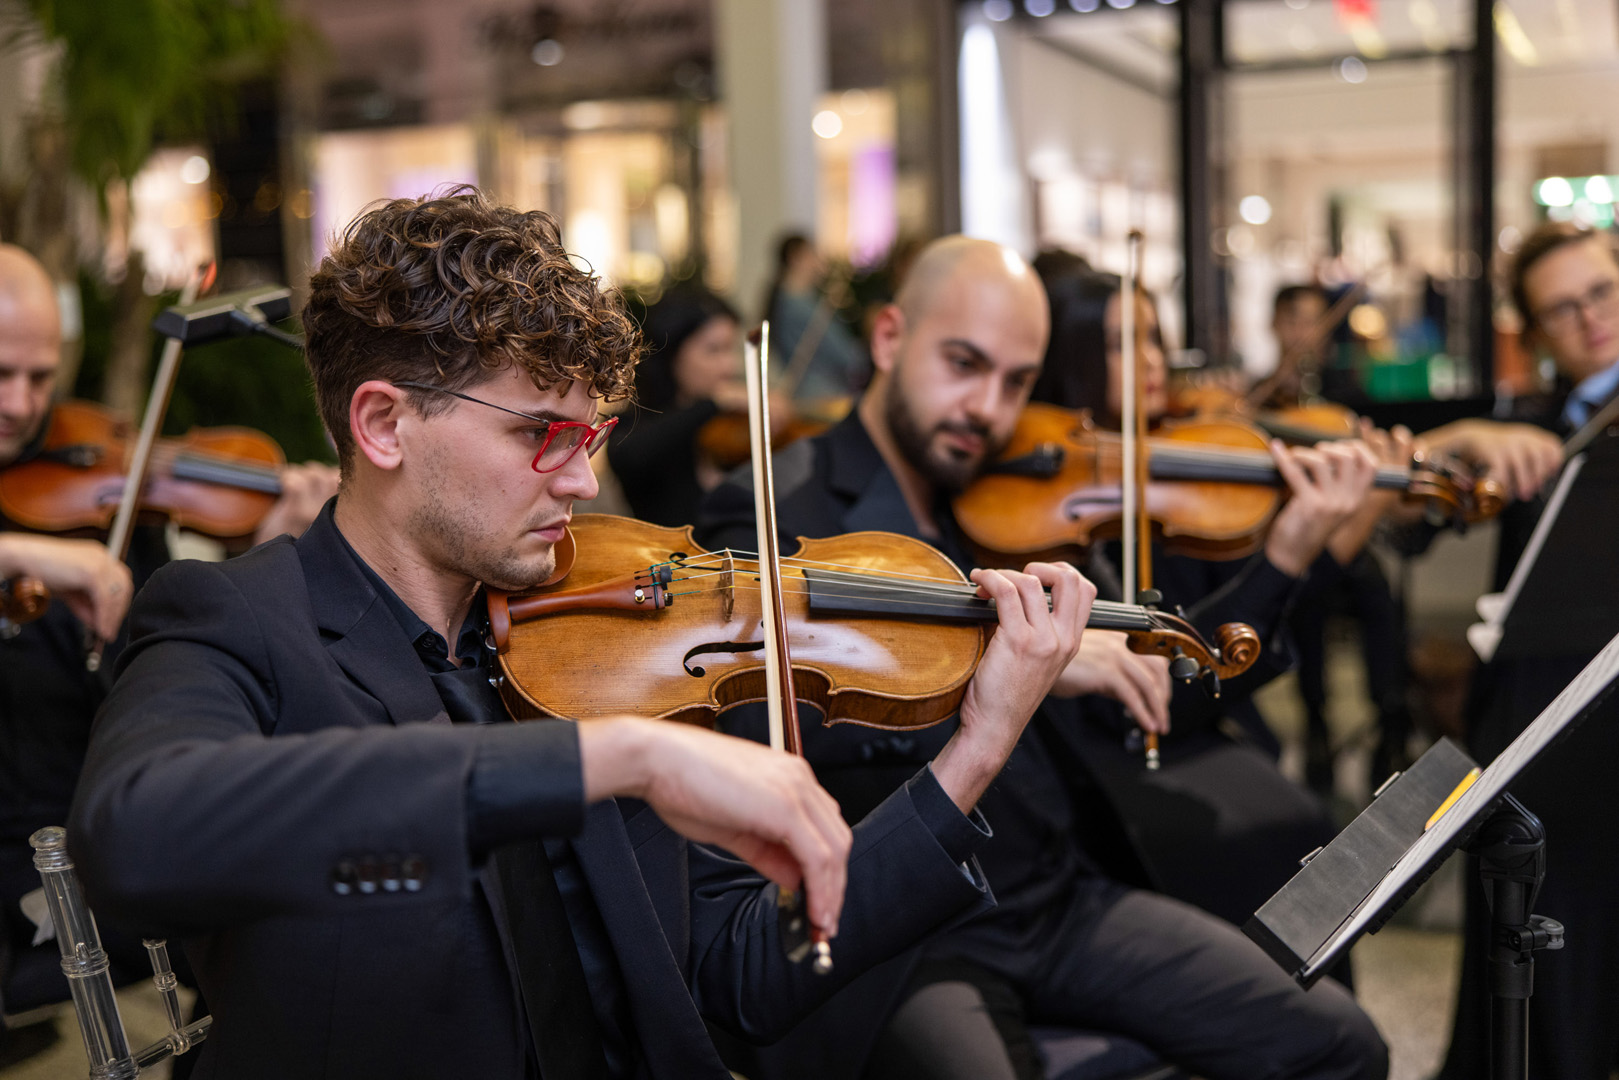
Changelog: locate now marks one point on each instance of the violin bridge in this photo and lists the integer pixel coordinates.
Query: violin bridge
(728, 584)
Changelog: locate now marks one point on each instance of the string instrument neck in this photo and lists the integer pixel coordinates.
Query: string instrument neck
(1171, 461)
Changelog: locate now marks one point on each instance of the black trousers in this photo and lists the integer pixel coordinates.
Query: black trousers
(1134, 963)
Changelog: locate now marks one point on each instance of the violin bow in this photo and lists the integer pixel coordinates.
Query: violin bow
(781, 699)
(1137, 539)
(157, 406)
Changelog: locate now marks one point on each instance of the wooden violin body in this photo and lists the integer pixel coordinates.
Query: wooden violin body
(723, 440)
(216, 481)
(1069, 495)
(1212, 493)
(691, 621)
(883, 629)
(1303, 424)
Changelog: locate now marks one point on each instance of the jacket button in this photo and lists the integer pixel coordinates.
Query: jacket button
(370, 874)
(343, 877)
(413, 872)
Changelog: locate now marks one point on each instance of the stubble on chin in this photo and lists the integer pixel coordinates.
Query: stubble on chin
(464, 543)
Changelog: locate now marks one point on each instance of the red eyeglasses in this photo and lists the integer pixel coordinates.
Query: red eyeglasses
(563, 438)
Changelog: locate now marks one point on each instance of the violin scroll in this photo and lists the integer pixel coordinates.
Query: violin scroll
(1453, 493)
(1239, 646)
(1235, 648)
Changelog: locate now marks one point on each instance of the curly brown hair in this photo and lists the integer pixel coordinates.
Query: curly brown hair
(452, 289)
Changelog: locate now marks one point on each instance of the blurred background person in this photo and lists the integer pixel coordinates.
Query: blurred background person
(691, 374)
(817, 358)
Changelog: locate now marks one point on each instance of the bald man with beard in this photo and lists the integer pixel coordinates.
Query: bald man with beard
(956, 357)
(47, 697)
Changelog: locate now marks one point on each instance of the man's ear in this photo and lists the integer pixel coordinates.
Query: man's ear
(375, 413)
(888, 331)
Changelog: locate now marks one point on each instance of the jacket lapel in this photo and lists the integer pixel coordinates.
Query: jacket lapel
(369, 644)
(660, 1002)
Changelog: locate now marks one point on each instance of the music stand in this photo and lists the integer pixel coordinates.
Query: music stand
(1350, 887)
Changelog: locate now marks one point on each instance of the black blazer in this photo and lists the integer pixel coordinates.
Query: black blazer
(264, 738)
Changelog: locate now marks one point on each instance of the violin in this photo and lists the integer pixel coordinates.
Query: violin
(1213, 488)
(723, 440)
(884, 631)
(1304, 424)
(219, 482)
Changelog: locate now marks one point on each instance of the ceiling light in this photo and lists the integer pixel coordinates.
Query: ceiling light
(1255, 209)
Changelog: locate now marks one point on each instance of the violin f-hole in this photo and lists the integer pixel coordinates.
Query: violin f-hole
(715, 647)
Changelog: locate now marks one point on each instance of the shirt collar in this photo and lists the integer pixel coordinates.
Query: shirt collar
(430, 645)
(859, 472)
(1591, 393)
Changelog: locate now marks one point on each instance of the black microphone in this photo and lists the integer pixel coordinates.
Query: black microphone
(235, 314)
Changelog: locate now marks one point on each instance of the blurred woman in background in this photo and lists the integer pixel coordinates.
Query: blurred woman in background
(691, 375)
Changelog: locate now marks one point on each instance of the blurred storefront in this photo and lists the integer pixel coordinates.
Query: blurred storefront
(1340, 139)
(615, 119)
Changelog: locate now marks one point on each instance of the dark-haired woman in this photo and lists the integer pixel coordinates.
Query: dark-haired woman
(1218, 826)
(692, 374)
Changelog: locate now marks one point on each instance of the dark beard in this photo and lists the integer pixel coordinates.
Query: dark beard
(948, 474)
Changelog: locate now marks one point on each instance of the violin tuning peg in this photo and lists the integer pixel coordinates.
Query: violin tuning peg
(1183, 667)
(1149, 598)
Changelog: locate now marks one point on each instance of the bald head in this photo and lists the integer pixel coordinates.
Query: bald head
(30, 348)
(954, 261)
(23, 284)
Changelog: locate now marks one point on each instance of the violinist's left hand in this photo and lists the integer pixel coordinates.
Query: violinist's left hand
(1105, 665)
(304, 490)
(1031, 646)
(1328, 483)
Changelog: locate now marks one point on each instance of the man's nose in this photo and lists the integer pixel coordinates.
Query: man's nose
(984, 404)
(14, 397)
(577, 479)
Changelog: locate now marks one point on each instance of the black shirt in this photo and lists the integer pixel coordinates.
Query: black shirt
(490, 792)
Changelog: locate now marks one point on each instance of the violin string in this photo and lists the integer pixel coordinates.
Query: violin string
(750, 556)
(1236, 456)
(840, 571)
(1119, 616)
(872, 579)
(891, 579)
(802, 586)
(866, 583)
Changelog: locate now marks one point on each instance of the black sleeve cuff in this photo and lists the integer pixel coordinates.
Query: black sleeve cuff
(526, 781)
(959, 834)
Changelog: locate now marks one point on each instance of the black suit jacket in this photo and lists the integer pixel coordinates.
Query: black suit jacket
(1218, 826)
(268, 749)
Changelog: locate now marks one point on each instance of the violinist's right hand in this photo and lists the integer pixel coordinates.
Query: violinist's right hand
(1521, 456)
(1105, 665)
(82, 573)
(1033, 643)
(763, 806)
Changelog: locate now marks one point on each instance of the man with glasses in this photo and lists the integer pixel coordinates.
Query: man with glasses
(305, 772)
(1565, 283)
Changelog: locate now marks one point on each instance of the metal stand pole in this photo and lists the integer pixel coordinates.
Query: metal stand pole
(1511, 849)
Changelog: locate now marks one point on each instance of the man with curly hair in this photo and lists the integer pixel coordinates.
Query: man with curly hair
(303, 770)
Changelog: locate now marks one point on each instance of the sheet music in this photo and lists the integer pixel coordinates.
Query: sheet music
(1493, 608)
(1597, 677)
